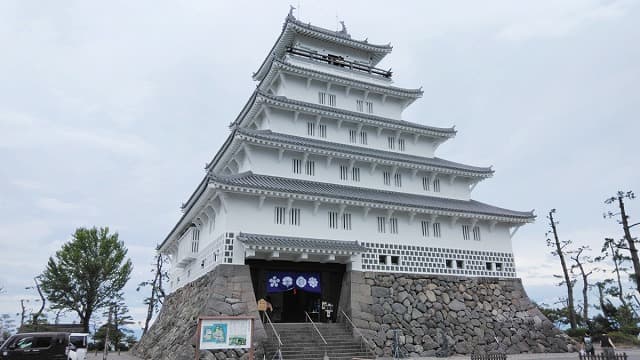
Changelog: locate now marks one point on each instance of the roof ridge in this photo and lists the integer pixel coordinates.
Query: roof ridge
(450, 132)
(417, 91)
(316, 185)
(371, 152)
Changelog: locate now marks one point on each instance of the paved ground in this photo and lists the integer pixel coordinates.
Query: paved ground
(634, 354)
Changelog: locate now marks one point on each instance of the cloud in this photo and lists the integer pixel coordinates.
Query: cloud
(554, 19)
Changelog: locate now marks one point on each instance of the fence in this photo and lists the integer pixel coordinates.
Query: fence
(489, 357)
(603, 356)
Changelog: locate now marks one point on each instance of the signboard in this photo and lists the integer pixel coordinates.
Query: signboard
(224, 332)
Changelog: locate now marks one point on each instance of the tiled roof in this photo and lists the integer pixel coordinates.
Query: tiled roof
(300, 243)
(248, 180)
(292, 26)
(335, 78)
(351, 150)
(336, 113)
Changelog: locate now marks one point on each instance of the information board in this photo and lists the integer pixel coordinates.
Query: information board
(228, 332)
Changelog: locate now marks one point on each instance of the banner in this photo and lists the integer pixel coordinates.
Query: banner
(280, 281)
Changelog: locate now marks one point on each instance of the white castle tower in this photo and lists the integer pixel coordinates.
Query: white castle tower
(321, 175)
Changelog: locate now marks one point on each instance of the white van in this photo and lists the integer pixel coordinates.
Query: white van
(77, 346)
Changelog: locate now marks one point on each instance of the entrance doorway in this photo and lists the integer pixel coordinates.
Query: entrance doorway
(290, 304)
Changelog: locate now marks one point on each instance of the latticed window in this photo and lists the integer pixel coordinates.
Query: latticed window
(353, 136)
(311, 128)
(476, 233)
(397, 179)
(436, 229)
(360, 105)
(279, 213)
(382, 224)
(425, 183)
(332, 100)
(322, 98)
(333, 220)
(391, 142)
(425, 228)
(346, 221)
(465, 232)
(344, 172)
(401, 146)
(297, 166)
(310, 168)
(322, 130)
(355, 174)
(363, 137)
(294, 216)
(369, 107)
(436, 185)
(386, 176)
(393, 225)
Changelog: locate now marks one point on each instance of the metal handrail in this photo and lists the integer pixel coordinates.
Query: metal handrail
(369, 347)
(315, 327)
(273, 328)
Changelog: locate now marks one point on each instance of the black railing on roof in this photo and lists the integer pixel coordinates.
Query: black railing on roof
(339, 61)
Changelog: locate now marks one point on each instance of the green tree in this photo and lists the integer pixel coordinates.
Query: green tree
(87, 273)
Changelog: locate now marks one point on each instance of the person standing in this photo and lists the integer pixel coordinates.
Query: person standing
(588, 344)
(608, 348)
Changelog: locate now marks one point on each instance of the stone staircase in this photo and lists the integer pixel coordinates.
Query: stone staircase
(301, 341)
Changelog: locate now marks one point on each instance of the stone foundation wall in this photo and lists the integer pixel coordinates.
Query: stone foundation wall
(226, 290)
(445, 315)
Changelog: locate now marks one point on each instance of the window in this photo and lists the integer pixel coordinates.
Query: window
(294, 216)
(369, 107)
(488, 266)
(279, 213)
(448, 264)
(363, 137)
(460, 264)
(436, 229)
(465, 232)
(332, 100)
(401, 144)
(355, 174)
(391, 142)
(333, 220)
(344, 172)
(42, 342)
(310, 168)
(387, 177)
(322, 98)
(382, 259)
(476, 233)
(360, 105)
(297, 166)
(382, 224)
(346, 221)
(436, 185)
(425, 183)
(425, 228)
(353, 136)
(393, 225)
(311, 128)
(498, 266)
(395, 260)
(397, 179)
(322, 130)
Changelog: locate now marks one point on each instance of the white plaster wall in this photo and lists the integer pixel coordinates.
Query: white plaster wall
(265, 161)
(296, 88)
(284, 122)
(363, 228)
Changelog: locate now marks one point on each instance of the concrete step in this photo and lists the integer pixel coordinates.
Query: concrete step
(301, 341)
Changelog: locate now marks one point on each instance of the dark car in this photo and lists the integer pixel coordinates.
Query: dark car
(35, 346)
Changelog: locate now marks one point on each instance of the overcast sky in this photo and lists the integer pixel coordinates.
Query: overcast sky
(109, 111)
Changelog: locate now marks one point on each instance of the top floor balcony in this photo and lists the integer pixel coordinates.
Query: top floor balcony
(340, 61)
